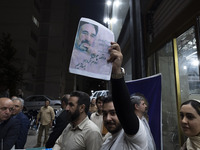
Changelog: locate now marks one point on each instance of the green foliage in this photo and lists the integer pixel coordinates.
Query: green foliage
(10, 75)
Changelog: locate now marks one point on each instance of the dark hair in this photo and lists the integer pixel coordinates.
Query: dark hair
(47, 100)
(100, 98)
(107, 99)
(83, 98)
(195, 104)
(83, 22)
(64, 99)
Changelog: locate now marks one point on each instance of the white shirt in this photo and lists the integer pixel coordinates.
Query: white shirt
(151, 143)
(121, 141)
(97, 119)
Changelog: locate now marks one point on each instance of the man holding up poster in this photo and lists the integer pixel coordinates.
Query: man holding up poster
(127, 130)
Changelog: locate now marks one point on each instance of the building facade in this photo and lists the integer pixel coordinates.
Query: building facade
(40, 32)
(161, 36)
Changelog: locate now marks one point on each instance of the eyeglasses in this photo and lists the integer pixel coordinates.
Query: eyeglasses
(5, 108)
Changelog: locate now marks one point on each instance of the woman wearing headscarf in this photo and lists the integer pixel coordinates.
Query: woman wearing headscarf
(190, 124)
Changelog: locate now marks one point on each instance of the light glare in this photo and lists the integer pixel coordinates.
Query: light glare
(117, 3)
(108, 3)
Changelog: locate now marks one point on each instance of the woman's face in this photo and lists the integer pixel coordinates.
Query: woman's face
(190, 120)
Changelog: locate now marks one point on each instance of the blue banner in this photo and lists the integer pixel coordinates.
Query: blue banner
(150, 87)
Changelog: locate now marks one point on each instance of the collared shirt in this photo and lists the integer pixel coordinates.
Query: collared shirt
(121, 141)
(46, 115)
(97, 119)
(85, 136)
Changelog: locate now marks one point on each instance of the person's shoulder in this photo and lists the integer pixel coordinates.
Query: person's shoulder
(92, 126)
(22, 116)
(14, 122)
(49, 107)
(92, 115)
(64, 115)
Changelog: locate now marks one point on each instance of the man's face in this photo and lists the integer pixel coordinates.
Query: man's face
(47, 103)
(100, 105)
(142, 107)
(6, 109)
(73, 108)
(86, 38)
(17, 107)
(111, 121)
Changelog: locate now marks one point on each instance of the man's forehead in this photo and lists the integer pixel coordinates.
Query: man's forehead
(6, 101)
(73, 99)
(16, 101)
(88, 27)
(108, 106)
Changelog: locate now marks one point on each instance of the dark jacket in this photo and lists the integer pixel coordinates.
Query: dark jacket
(24, 127)
(9, 132)
(61, 122)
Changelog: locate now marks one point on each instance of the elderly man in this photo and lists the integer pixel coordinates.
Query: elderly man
(24, 122)
(9, 126)
(140, 107)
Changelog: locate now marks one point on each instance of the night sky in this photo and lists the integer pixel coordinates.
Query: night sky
(93, 9)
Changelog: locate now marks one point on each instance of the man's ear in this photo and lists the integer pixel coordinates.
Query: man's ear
(82, 108)
(136, 107)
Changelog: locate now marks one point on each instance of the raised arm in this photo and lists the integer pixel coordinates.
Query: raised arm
(120, 94)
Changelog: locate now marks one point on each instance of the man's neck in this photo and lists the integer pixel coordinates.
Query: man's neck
(99, 112)
(138, 114)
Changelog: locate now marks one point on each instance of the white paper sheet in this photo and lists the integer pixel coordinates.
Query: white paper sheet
(90, 51)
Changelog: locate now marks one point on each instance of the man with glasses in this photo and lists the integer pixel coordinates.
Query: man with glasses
(9, 126)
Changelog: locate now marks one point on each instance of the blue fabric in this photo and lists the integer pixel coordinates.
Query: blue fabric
(150, 87)
(9, 132)
(24, 127)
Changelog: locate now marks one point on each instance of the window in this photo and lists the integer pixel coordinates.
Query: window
(165, 64)
(188, 65)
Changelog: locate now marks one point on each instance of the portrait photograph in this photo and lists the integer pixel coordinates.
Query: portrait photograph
(90, 50)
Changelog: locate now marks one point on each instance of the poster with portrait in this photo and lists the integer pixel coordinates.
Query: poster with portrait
(90, 51)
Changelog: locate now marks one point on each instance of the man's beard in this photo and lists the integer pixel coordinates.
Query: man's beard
(75, 115)
(118, 127)
(82, 47)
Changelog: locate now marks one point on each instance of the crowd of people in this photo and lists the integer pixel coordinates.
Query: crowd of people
(115, 122)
